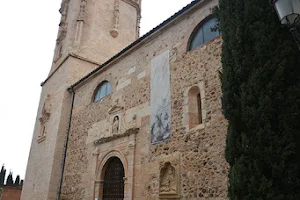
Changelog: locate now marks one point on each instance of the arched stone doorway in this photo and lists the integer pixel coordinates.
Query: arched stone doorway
(103, 162)
(113, 183)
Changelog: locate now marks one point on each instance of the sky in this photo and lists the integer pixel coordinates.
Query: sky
(27, 40)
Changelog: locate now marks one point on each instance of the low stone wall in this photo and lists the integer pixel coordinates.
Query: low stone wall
(10, 192)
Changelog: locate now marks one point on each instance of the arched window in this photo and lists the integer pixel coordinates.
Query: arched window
(113, 185)
(195, 108)
(103, 90)
(204, 33)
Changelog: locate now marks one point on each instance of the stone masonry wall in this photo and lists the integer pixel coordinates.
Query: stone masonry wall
(86, 29)
(45, 157)
(82, 28)
(196, 155)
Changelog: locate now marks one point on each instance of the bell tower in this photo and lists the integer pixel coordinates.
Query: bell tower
(96, 30)
(90, 32)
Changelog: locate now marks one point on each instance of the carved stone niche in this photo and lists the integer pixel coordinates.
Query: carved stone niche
(119, 124)
(169, 180)
(115, 113)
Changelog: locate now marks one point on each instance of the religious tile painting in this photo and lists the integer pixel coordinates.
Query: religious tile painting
(160, 119)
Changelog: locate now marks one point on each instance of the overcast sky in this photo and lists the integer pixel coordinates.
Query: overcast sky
(27, 39)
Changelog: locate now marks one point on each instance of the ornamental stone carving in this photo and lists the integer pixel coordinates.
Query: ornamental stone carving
(62, 31)
(116, 115)
(45, 114)
(106, 139)
(134, 3)
(115, 109)
(114, 32)
(119, 124)
(79, 24)
(82, 10)
(169, 178)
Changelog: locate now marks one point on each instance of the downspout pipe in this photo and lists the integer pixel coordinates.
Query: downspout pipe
(71, 89)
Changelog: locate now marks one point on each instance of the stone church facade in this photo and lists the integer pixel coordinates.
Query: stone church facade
(139, 122)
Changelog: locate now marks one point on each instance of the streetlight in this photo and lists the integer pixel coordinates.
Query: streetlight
(289, 14)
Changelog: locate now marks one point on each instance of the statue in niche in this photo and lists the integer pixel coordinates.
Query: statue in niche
(115, 125)
(168, 179)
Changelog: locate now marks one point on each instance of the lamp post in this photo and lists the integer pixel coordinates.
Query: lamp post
(288, 12)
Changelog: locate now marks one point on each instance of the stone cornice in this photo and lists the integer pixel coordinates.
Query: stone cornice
(114, 137)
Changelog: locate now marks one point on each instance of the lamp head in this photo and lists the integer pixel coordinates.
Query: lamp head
(288, 11)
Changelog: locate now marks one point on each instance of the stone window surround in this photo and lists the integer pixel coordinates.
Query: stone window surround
(195, 112)
(201, 87)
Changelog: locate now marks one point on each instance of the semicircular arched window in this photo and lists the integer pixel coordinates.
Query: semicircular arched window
(103, 90)
(204, 32)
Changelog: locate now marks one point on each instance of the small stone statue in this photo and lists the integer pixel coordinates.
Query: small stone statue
(115, 125)
(45, 114)
(168, 180)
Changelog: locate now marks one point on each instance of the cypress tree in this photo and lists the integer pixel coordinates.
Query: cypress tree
(2, 175)
(9, 180)
(17, 181)
(261, 101)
